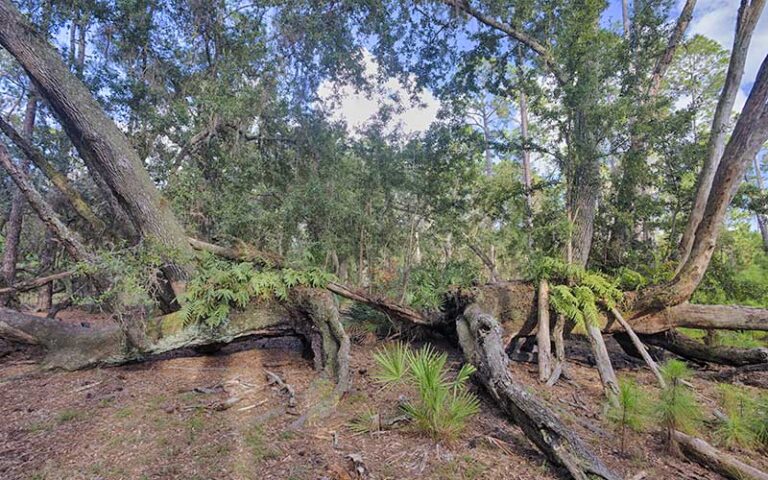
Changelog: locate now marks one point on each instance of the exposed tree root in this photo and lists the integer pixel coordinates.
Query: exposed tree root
(688, 348)
(480, 336)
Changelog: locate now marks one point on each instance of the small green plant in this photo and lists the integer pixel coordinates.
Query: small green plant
(68, 415)
(367, 421)
(443, 405)
(740, 425)
(393, 361)
(631, 411)
(676, 408)
(258, 446)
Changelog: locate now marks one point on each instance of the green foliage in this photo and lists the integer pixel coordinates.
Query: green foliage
(632, 409)
(743, 422)
(676, 407)
(219, 286)
(431, 281)
(579, 302)
(443, 405)
(367, 421)
(394, 363)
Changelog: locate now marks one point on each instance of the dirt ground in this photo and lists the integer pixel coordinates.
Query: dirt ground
(217, 417)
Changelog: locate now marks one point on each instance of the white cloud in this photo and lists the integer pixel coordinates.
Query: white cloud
(716, 19)
(358, 108)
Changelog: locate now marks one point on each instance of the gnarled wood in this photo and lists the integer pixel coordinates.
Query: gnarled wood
(309, 313)
(480, 337)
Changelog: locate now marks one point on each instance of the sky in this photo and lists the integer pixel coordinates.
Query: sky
(715, 19)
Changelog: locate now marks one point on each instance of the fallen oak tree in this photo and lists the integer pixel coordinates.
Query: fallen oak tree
(108, 154)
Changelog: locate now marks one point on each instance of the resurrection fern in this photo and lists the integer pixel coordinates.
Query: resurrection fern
(443, 405)
(676, 408)
(565, 303)
(578, 302)
(219, 286)
(631, 411)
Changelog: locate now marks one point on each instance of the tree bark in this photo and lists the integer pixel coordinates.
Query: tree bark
(603, 363)
(749, 14)
(638, 344)
(69, 239)
(16, 217)
(104, 148)
(542, 333)
(70, 347)
(480, 337)
(58, 179)
(691, 349)
(716, 460)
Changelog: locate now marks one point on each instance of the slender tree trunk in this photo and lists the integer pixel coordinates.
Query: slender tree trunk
(47, 261)
(16, 218)
(542, 333)
(103, 147)
(68, 238)
(527, 177)
(762, 222)
(749, 14)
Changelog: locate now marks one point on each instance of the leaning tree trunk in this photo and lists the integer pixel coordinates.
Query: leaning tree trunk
(16, 217)
(747, 18)
(480, 337)
(104, 148)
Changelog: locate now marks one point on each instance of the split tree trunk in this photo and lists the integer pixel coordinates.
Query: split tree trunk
(749, 14)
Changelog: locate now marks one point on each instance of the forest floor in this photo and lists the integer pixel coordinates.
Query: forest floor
(166, 419)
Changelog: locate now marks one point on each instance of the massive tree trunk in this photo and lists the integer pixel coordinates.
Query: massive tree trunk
(310, 314)
(104, 148)
(749, 14)
(749, 134)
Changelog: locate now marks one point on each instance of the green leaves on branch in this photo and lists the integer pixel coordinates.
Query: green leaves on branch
(443, 405)
(219, 286)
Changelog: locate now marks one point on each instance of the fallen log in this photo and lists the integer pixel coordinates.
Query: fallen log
(717, 461)
(689, 348)
(307, 313)
(480, 337)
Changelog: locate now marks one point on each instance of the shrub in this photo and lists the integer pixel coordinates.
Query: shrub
(443, 405)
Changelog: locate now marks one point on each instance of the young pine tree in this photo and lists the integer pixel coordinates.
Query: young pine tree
(631, 410)
(676, 408)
